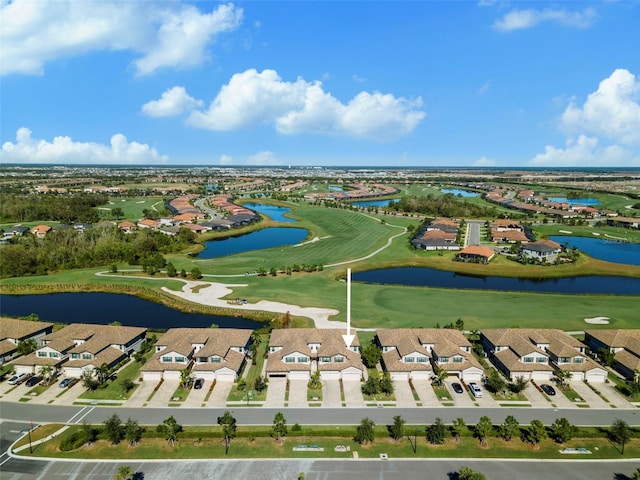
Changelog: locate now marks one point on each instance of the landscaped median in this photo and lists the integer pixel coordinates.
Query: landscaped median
(328, 442)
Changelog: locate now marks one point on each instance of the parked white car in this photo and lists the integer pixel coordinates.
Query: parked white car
(475, 389)
(18, 379)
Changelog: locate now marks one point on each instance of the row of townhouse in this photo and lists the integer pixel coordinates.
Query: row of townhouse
(14, 331)
(77, 348)
(624, 344)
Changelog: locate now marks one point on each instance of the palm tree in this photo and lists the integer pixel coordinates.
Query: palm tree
(46, 371)
(102, 372)
(123, 473)
(562, 376)
(184, 377)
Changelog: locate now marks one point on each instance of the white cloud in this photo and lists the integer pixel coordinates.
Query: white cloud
(263, 158)
(254, 98)
(585, 151)
(484, 88)
(64, 150)
(484, 162)
(173, 101)
(226, 160)
(612, 111)
(164, 34)
(521, 19)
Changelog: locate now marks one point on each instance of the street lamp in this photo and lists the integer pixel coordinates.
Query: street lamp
(30, 428)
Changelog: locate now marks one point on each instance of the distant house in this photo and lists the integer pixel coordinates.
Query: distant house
(626, 222)
(17, 231)
(297, 353)
(413, 353)
(541, 251)
(148, 223)
(210, 353)
(536, 353)
(625, 344)
(41, 231)
(13, 331)
(195, 228)
(476, 253)
(126, 226)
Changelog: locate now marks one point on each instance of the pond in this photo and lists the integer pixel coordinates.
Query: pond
(258, 240)
(608, 249)
(575, 201)
(335, 188)
(271, 211)
(104, 308)
(459, 192)
(372, 203)
(429, 277)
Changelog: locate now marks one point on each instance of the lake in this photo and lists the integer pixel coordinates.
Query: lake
(372, 203)
(271, 211)
(604, 248)
(429, 277)
(460, 192)
(575, 201)
(258, 240)
(104, 308)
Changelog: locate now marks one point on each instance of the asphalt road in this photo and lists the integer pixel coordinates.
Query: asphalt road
(312, 416)
(473, 232)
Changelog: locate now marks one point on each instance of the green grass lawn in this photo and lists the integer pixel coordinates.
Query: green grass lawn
(199, 443)
(112, 389)
(441, 392)
(254, 372)
(132, 207)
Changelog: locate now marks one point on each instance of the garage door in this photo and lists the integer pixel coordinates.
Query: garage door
(298, 375)
(544, 376)
(421, 375)
(205, 375)
(352, 376)
(596, 377)
(74, 372)
(23, 369)
(330, 375)
(471, 377)
(225, 377)
(171, 375)
(151, 376)
(400, 376)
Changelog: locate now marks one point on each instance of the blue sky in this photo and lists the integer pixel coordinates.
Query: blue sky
(488, 83)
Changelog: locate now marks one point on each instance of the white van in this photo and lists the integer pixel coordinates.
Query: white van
(475, 389)
(18, 379)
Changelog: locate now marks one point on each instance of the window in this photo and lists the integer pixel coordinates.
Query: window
(42, 354)
(527, 359)
(215, 359)
(409, 359)
(87, 356)
(303, 359)
(422, 359)
(578, 360)
(339, 359)
(325, 359)
(564, 360)
(53, 354)
(167, 359)
(180, 359)
(457, 359)
(443, 360)
(75, 356)
(541, 359)
(289, 359)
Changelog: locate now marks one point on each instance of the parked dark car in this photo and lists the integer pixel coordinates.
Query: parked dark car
(457, 388)
(33, 381)
(198, 383)
(548, 389)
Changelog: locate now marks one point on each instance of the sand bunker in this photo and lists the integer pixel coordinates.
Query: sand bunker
(565, 231)
(597, 320)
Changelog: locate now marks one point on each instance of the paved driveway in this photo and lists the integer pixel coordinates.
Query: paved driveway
(163, 396)
(425, 393)
(486, 400)
(404, 395)
(298, 393)
(353, 393)
(219, 395)
(196, 397)
(588, 395)
(275, 392)
(560, 400)
(459, 399)
(331, 397)
(139, 397)
(535, 397)
(613, 396)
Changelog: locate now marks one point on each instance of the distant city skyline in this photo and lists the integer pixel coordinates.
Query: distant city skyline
(400, 84)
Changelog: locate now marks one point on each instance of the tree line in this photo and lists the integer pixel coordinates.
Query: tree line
(61, 208)
(68, 249)
(447, 205)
